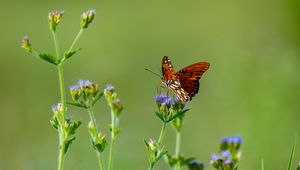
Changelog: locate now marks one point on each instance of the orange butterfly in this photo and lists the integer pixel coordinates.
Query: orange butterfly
(184, 83)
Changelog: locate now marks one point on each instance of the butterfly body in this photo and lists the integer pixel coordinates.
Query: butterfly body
(184, 83)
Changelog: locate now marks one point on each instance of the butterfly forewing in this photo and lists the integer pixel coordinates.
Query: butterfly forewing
(167, 69)
(184, 83)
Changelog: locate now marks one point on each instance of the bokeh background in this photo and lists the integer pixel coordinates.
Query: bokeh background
(251, 88)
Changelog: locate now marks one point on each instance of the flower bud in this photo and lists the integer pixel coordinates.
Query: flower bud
(87, 17)
(117, 107)
(215, 161)
(231, 142)
(88, 88)
(26, 44)
(109, 90)
(54, 18)
(75, 92)
(57, 108)
(153, 145)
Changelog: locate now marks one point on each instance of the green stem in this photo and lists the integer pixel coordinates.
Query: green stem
(150, 167)
(93, 119)
(63, 103)
(177, 151)
(75, 40)
(162, 133)
(56, 45)
(61, 151)
(112, 142)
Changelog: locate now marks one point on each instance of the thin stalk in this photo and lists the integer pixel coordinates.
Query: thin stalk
(112, 141)
(177, 151)
(56, 44)
(99, 155)
(75, 40)
(63, 103)
(162, 133)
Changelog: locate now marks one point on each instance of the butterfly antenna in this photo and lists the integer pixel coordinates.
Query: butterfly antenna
(153, 73)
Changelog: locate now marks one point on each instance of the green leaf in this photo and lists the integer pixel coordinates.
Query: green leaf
(69, 54)
(97, 98)
(68, 144)
(171, 160)
(73, 127)
(49, 58)
(185, 161)
(160, 116)
(77, 104)
(99, 146)
(178, 114)
(161, 155)
(54, 122)
(292, 154)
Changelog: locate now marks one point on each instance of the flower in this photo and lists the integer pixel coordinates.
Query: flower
(153, 145)
(75, 92)
(117, 107)
(88, 87)
(231, 142)
(87, 17)
(163, 100)
(54, 18)
(57, 108)
(109, 90)
(26, 44)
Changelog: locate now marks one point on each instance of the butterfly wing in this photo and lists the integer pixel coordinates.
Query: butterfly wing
(167, 69)
(171, 80)
(189, 77)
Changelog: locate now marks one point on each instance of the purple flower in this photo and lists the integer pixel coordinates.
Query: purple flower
(85, 83)
(163, 100)
(26, 44)
(57, 108)
(75, 92)
(167, 102)
(87, 17)
(54, 18)
(231, 142)
(160, 98)
(225, 154)
(109, 90)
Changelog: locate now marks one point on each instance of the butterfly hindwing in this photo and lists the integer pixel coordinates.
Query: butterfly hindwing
(190, 75)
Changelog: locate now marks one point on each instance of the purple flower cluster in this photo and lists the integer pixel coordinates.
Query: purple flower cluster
(230, 153)
(163, 100)
(84, 88)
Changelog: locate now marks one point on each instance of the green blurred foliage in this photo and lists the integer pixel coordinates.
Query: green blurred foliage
(252, 87)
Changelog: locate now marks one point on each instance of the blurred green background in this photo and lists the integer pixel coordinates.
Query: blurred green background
(251, 88)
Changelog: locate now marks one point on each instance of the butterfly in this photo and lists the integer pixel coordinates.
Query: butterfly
(185, 82)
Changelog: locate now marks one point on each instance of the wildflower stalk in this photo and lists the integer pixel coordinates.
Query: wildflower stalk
(63, 103)
(177, 150)
(116, 108)
(112, 141)
(162, 133)
(75, 39)
(93, 120)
